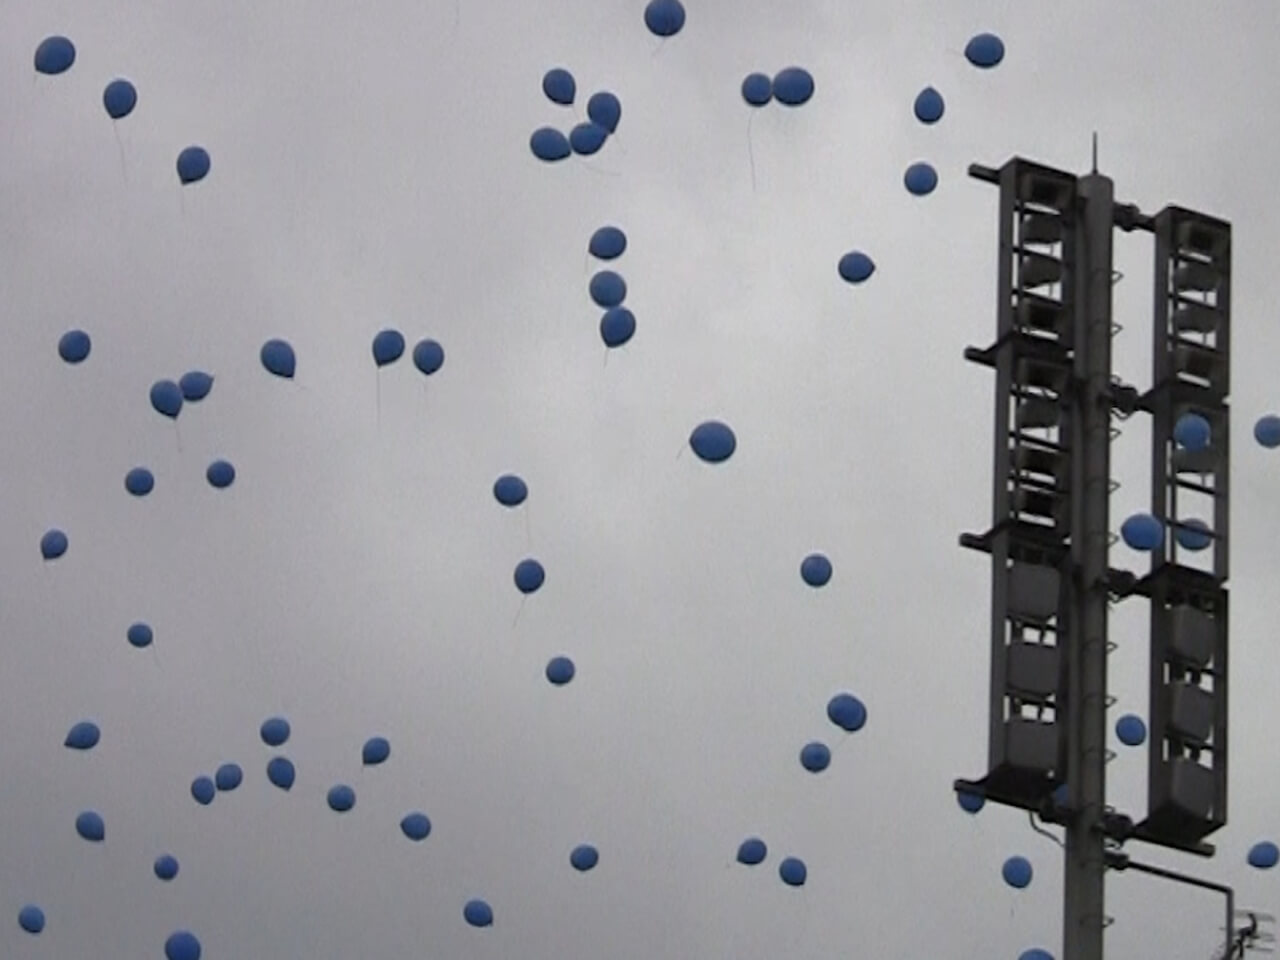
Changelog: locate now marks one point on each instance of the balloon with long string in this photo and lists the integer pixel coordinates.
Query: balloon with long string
(193, 165)
(141, 637)
(757, 91)
(428, 357)
(529, 577)
(119, 97)
(166, 400)
(388, 347)
(664, 18)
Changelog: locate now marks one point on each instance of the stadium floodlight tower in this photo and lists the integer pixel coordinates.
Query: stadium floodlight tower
(1051, 579)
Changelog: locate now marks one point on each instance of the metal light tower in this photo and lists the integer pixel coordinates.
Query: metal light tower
(1051, 580)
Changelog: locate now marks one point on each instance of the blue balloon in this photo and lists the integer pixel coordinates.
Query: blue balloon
(793, 86)
(815, 757)
(1035, 953)
(757, 89)
(920, 179)
(278, 358)
(1017, 872)
(584, 857)
(139, 481)
(31, 918)
(605, 109)
(1191, 432)
(815, 570)
(1264, 855)
(274, 731)
(1267, 431)
(1142, 531)
(587, 138)
(929, 105)
(220, 474)
(559, 86)
(549, 144)
(847, 712)
(855, 267)
(195, 385)
(428, 357)
(193, 165)
(119, 98)
(1130, 730)
(341, 798)
(607, 243)
(375, 751)
(984, 50)
(617, 326)
(74, 346)
(281, 772)
(560, 670)
(228, 777)
(1194, 535)
(55, 55)
(793, 872)
(182, 945)
(83, 736)
(509, 490)
(477, 913)
(165, 867)
(713, 441)
(166, 398)
(607, 289)
(664, 18)
(53, 544)
(752, 851)
(203, 790)
(416, 826)
(529, 576)
(970, 802)
(388, 347)
(90, 826)
(139, 635)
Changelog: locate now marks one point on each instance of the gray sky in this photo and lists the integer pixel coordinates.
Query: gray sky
(371, 169)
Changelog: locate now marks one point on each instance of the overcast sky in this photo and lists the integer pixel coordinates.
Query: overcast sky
(371, 169)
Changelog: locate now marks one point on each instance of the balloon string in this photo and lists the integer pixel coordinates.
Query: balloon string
(177, 432)
(751, 154)
(519, 610)
(124, 173)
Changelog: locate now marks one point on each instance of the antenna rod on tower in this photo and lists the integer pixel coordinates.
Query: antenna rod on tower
(1095, 151)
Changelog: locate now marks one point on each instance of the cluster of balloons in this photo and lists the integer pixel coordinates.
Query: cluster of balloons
(388, 347)
(604, 110)
(608, 289)
(791, 87)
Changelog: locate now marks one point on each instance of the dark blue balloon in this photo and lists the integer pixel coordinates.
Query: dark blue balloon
(182, 945)
(139, 635)
(281, 772)
(1192, 432)
(193, 165)
(55, 55)
(793, 86)
(375, 751)
(509, 490)
(139, 481)
(1194, 535)
(559, 86)
(195, 385)
(549, 144)
(278, 358)
(220, 474)
(607, 243)
(1035, 953)
(166, 398)
(416, 826)
(1130, 730)
(757, 89)
(83, 736)
(74, 346)
(920, 179)
(428, 357)
(228, 777)
(388, 347)
(607, 288)
(713, 441)
(855, 267)
(274, 731)
(815, 757)
(815, 570)
(1142, 531)
(984, 50)
(560, 670)
(752, 851)
(587, 138)
(203, 790)
(119, 98)
(529, 576)
(793, 872)
(477, 913)
(605, 109)
(1267, 431)
(31, 918)
(929, 105)
(584, 857)
(53, 544)
(617, 326)
(90, 826)
(165, 867)
(341, 798)
(1017, 872)
(847, 712)
(1264, 855)
(969, 801)
(664, 18)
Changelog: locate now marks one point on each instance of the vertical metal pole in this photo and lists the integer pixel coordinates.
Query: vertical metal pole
(1083, 914)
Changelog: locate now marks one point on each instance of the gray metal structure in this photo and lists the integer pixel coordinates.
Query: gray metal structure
(1051, 584)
